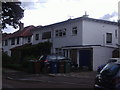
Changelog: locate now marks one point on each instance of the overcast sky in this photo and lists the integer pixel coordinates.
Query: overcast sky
(45, 12)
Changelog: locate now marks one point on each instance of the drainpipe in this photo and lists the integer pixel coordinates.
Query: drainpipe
(119, 36)
(52, 37)
(119, 27)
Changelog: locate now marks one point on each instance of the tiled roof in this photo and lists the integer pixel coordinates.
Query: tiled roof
(5, 36)
(20, 33)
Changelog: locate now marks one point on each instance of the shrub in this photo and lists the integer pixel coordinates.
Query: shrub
(6, 59)
(14, 66)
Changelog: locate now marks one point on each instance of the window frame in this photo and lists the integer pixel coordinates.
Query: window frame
(46, 35)
(29, 39)
(13, 41)
(18, 40)
(60, 32)
(74, 30)
(6, 42)
(36, 37)
(109, 38)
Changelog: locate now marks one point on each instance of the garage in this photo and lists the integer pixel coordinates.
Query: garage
(85, 58)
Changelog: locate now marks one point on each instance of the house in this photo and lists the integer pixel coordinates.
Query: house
(88, 42)
(18, 38)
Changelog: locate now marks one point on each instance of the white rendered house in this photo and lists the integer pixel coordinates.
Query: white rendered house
(88, 42)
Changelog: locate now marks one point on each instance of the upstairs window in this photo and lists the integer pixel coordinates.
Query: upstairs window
(46, 35)
(74, 31)
(60, 33)
(29, 39)
(6, 42)
(13, 41)
(2, 43)
(108, 38)
(116, 33)
(37, 37)
(18, 40)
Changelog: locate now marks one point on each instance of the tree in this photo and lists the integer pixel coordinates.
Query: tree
(12, 13)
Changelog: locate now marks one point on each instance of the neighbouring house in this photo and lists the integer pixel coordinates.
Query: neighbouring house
(16, 39)
(88, 42)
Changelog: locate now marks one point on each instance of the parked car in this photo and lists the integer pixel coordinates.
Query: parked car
(53, 58)
(51, 61)
(109, 61)
(109, 77)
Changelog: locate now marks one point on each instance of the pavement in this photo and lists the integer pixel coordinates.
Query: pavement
(23, 76)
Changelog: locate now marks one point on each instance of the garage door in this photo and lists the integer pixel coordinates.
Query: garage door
(85, 58)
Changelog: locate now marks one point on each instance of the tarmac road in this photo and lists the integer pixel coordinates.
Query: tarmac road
(50, 84)
(77, 80)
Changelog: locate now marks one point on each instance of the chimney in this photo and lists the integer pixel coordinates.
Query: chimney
(21, 26)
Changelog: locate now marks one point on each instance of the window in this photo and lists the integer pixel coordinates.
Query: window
(13, 41)
(64, 32)
(58, 51)
(18, 40)
(108, 38)
(2, 43)
(116, 33)
(56, 33)
(60, 33)
(46, 35)
(74, 31)
(6, 42)
(29, 39)
(37, 37)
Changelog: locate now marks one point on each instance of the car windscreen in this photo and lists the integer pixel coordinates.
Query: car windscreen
(62, 58)
(110, 69)
(56, 58)
(51, 57)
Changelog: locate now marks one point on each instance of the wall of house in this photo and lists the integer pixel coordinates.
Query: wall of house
(40, 32)
(119, 32)
(94, 33)
(7, 48)
(68, 39)
(101, 55)
(58, 42)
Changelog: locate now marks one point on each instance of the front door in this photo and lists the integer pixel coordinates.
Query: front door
(73, 55)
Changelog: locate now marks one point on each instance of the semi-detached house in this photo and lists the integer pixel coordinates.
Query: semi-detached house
(88, 42)
(17, 39)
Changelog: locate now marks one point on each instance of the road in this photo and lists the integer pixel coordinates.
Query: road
(46, 81)
(51, 82)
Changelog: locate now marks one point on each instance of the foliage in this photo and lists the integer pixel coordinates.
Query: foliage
(14, 66)
(37, 50)
(11, 14)
(28, 52)
(6, 59)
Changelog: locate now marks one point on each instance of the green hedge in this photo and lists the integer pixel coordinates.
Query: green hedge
(20, 55)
